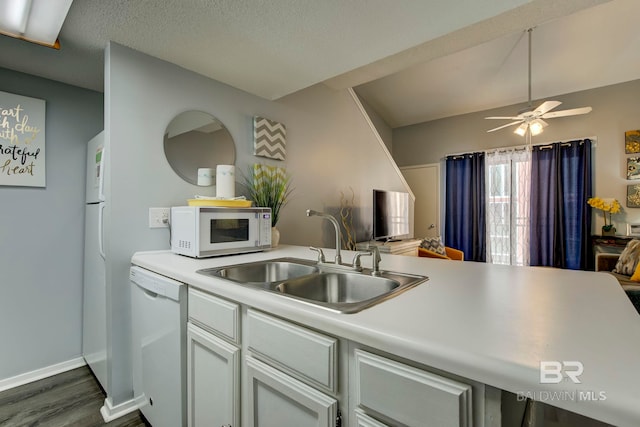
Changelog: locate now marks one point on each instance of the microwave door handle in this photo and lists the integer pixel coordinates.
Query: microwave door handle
(101, 231)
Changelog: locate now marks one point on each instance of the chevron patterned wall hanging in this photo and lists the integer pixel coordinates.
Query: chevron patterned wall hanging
(269, 138)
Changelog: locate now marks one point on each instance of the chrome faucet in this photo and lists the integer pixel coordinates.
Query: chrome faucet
(337, 264)
(310, 212)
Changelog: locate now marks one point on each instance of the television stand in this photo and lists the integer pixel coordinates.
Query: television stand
(407, 247)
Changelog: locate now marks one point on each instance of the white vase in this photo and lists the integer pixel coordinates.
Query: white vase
(275, 237)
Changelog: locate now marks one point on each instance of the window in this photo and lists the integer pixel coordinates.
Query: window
(508, 177)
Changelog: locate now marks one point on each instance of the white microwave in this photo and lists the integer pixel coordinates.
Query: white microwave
(202, 232)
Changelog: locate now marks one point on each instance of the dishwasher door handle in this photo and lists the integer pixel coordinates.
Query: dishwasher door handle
(155, 284)
(149, 294)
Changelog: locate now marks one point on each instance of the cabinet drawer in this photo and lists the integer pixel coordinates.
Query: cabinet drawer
(215, 315)
(363, 420)
(408, 395)
(302, 353)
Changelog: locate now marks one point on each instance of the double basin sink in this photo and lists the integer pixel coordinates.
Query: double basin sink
(319, 285)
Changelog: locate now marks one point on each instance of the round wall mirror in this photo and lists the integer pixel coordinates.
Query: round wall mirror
(195, 139)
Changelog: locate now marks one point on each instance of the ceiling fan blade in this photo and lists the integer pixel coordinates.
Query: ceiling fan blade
(546, 106)
(562, 113)
(502, 118)
(507, 125)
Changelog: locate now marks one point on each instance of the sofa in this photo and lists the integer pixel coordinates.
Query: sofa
(606, 262)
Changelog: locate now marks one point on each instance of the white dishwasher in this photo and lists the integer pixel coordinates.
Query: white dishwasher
(159, 323)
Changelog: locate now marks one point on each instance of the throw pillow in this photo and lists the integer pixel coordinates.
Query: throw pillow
(628, 260)
(636, 274)
(433, 244)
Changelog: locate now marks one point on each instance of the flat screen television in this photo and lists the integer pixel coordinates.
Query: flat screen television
(390, 214)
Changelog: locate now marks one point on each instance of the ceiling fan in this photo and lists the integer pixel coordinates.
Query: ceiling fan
(531, 119)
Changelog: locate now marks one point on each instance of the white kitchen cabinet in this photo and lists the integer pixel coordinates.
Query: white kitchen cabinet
(213, 380)
(215, 315)
(248, 368)
(302, 353)
(291, 374)
(277, 400)
(213, 361)
(405, 395)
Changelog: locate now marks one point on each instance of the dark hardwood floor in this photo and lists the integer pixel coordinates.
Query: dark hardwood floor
(72, 398)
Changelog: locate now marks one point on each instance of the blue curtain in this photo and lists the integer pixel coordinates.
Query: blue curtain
(561, 183)
(465, 197)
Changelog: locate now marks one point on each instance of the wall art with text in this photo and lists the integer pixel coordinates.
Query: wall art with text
(22, 155)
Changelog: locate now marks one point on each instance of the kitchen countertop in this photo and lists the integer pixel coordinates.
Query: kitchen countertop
(489, 323)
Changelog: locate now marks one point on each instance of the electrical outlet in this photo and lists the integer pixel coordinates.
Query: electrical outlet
(159, 217)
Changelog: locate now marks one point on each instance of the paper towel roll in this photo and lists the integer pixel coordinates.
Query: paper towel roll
(226, 181)
(205, 177)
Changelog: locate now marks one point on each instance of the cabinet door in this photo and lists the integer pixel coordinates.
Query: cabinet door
(278, 400)
(213, 380)
(409, 396)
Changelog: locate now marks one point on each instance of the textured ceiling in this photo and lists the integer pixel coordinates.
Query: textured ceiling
(274, 48)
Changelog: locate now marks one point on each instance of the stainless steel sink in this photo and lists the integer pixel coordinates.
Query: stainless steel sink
(337, 287)
(302, 280)
(264, 272)
(348, 292)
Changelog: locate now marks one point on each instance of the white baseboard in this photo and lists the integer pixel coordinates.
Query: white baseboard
(110, 412)
(39, 374)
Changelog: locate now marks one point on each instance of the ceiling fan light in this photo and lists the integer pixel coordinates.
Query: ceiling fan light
(536, 127)
(521, 130)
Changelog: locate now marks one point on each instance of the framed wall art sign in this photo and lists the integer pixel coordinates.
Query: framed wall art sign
(22, 138)
(632, 141)
(633, 168)
(633, 196)
(269, 138)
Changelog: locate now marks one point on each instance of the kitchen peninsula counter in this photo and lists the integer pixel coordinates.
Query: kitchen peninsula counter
(489, 323)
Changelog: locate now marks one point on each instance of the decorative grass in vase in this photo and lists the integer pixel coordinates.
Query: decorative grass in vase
(270, 187)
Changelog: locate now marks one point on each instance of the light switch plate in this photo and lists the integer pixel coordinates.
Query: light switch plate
(159, 217)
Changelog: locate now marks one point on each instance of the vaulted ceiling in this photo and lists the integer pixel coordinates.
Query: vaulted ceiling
(411, 61)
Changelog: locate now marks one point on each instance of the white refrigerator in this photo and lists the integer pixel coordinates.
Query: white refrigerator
(94, 316)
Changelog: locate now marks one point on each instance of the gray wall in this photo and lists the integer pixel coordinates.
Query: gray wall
(332, 150)
(384, 130)
(329, 148)
(615, 110)
(41, 234)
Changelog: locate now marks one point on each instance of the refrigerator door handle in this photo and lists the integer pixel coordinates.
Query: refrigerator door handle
(101, 173)
(101, 231)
